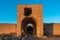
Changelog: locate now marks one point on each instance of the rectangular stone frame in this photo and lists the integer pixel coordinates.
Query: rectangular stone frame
(36, 14)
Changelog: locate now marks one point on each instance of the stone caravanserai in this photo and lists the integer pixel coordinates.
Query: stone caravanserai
(30, 22)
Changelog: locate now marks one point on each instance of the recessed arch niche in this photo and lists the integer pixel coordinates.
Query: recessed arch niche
(28, 25)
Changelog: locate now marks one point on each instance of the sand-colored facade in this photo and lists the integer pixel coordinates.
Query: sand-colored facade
(35, 16)
(7, 28)
(56, 29)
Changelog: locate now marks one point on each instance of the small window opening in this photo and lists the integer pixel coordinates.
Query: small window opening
(27, 11)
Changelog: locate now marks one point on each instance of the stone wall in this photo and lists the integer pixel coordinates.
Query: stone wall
(51, 29)
(56, 29)
(7, 28)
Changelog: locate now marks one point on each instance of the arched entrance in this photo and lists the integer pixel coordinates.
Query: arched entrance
(28, 26)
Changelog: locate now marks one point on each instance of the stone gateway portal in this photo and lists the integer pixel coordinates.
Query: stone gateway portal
(30, 21)
(28, 26)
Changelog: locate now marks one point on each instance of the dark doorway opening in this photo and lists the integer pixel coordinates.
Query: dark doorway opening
(29, 26)
(29, 30)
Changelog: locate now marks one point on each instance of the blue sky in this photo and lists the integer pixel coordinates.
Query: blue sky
(8, 10)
